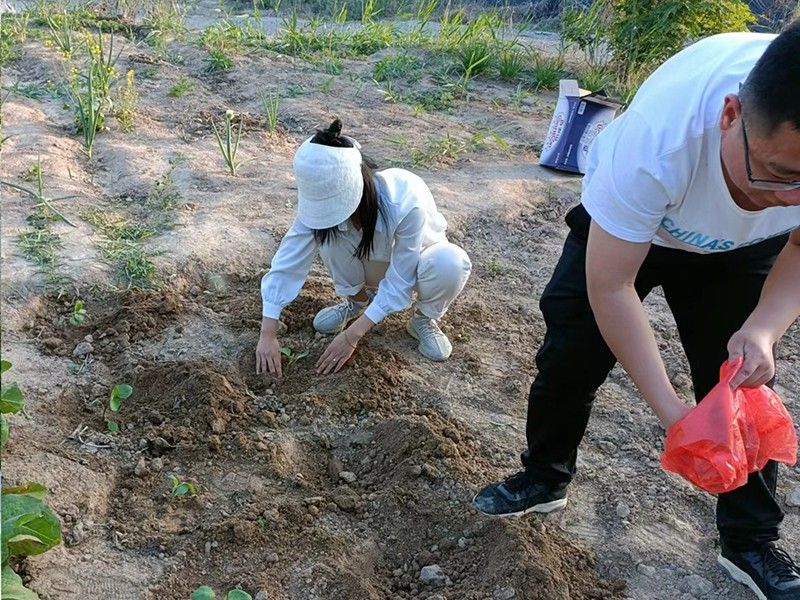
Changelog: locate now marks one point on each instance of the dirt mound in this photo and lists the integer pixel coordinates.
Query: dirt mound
(111, 322)
(191, 404)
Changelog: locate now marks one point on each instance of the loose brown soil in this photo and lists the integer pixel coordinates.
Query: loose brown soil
(337, 487)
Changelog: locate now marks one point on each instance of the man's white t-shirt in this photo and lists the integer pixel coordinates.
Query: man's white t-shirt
(655, 174)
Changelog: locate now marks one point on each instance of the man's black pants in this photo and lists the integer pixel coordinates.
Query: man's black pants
(710, 295)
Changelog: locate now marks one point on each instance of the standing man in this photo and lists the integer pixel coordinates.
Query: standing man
(696, 188)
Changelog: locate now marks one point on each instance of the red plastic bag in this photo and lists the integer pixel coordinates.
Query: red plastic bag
(730, 434)
(776, 434)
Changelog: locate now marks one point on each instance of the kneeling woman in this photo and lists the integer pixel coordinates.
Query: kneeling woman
(374, 229)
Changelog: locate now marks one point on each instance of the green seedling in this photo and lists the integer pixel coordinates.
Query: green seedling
(218, 61)
(271, 103)
(510, 64)
(182, 489)
(88, 108)
(102, 65)
(181, 86)
(119, 393)
(62, 35)
(206, 593)
(78, 313)
(11, 402)
(126, 109)
(42, 201)
(230, 144)
(293, 356)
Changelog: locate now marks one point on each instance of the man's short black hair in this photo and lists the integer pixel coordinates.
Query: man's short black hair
(771, 92)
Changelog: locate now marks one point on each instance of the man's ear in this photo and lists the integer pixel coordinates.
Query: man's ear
(731, 112)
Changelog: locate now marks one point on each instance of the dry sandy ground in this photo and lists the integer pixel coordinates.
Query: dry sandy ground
(273, 514)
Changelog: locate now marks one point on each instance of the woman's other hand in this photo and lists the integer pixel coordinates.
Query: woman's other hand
(268, 350)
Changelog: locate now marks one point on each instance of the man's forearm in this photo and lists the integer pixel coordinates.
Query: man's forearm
(625, 327)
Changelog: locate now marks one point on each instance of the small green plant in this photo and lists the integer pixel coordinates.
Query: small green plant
(547, 71)
(43, 203)
(13, 31)
(78, 313)
(392, 67)
(102, 66)
(118, 393)
(293, 90)
(122, 247)
(28, 526)
(182, 489)
(164, 18)
(228, 142)
(596, 77)
(494, 268)
(88, 108)
(218, 60)
(293, 356)
(62, 35)
(126, 105)
(181, 86)
(206, 593)
(271, 103)
(33, 173)
(510, 64)
(518, 96)
(39, 246)
(11, 402)
(474, 58)
(326, 86)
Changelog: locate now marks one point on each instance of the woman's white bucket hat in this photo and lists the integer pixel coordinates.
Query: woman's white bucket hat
(329, 183)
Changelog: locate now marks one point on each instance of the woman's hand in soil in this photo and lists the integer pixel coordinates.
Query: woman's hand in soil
(268, 350)
(755, 345)
(336, 354)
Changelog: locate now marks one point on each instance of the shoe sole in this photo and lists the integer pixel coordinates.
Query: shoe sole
(740, 576)
(544, 508)
(411, 332)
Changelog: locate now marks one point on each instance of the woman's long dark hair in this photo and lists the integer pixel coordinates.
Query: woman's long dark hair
(369, 208)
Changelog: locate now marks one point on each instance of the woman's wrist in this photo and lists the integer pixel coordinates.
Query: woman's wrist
(359, 328)
(350, 339)
(269, 327)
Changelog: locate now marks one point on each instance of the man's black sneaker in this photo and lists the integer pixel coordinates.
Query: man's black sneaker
(768, 571)
(518, 495)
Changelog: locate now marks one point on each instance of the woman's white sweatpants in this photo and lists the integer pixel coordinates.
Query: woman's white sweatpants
(442, 272)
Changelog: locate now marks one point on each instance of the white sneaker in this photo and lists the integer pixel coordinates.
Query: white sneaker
(433, 343)
(333, 319)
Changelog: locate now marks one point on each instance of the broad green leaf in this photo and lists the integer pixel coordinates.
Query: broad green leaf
(4, 366)
(238, 595)
(181, 489)
(3, 432)
(203, 593)
(113, 426)
(302, 354)
(286, 351)
(12, 588)
(33, 489)
(122, 391)
(28, 526)
(114, 403)
(11, 400)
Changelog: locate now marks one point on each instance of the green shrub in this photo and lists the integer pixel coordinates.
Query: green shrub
(646, 32)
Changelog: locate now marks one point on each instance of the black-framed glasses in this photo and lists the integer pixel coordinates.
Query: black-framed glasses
(764, 184)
